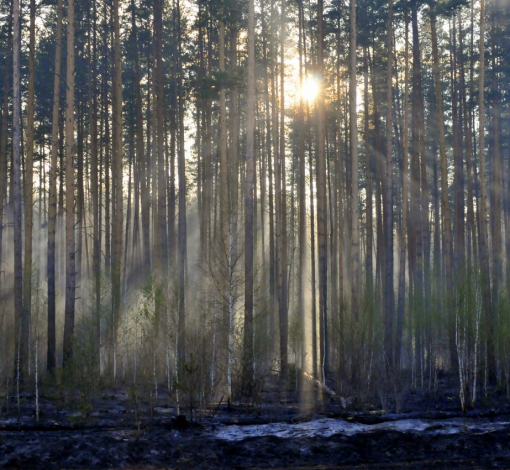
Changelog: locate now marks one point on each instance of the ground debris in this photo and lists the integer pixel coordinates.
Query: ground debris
(110, 435)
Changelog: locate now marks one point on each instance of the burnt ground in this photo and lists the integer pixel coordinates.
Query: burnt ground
(161, 448)
(111, 433)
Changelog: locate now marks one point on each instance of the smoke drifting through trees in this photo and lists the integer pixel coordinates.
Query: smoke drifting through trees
(192, 217)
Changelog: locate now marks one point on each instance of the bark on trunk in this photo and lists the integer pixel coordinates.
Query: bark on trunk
(69, 198)
(52, 202)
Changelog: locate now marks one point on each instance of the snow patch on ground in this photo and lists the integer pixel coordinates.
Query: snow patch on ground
(328, 427)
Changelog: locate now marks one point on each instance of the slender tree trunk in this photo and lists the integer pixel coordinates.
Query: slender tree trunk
(417, 199)
(117, 181)
(445, 205)
(226, 236)
(29, 180)
(484, 239)
(161, 235)
(181, 352)
(313, 287)
(354, 165)
(21, 342)
(161, 258)
(459, 242)
(233, 158)
(249, 190)
(405, 191)
(321, 196)
(272, 134)
(107, 159)
(388, 209)
(469, 153)
(333, 307)
(3, 145)
(205, 153)
(94, 181)
(282, 214)
(52, 206)
(80, 194)
(141, 157)
(70, 219)
(417, 259)
(369, 262)
(303, 248)
(131, 157)
(379, 152)
(437, 217)
(497, 167)
(271, 278)
(173, 146)
(224, 204)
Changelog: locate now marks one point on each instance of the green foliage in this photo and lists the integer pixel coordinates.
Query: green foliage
(209, 87)
(193, 382)
(449, 8)
(151, 302)
(502, 338)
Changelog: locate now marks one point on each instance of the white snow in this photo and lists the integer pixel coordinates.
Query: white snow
(328, 427)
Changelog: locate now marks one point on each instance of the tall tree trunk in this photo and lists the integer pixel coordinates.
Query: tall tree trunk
(379, 152)
(117, 179)
(161, 238)
(459, 242)
(313, 286)
(321, 196)
(181, 352)
(417, 199)
(172, 243)
(272, 155)
(29, 179)
(131, 158)
(224, 206)
(369, 263)
(161, 265)
(340, 179)
(417, 259)
(141, 157)
(21, 342)
(3, 144)
(469, 152)
(282, 213)
(94, 182)
(80, 193)
(388, 209)
(282, 188)
(445, 204)
(205, 148)
(484, 239)
(353, 124)
(268, 109)
(233, 158)
(497, 166)
(69, 199)
(52, 206)
(107, 139)
(303, 242)
(249, 190)
(405, 191)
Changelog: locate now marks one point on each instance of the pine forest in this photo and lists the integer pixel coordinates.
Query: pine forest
(201, 201)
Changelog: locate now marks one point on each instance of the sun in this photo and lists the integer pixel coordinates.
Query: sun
(310, 89)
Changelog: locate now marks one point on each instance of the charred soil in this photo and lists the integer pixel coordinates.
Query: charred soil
(111, 431)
